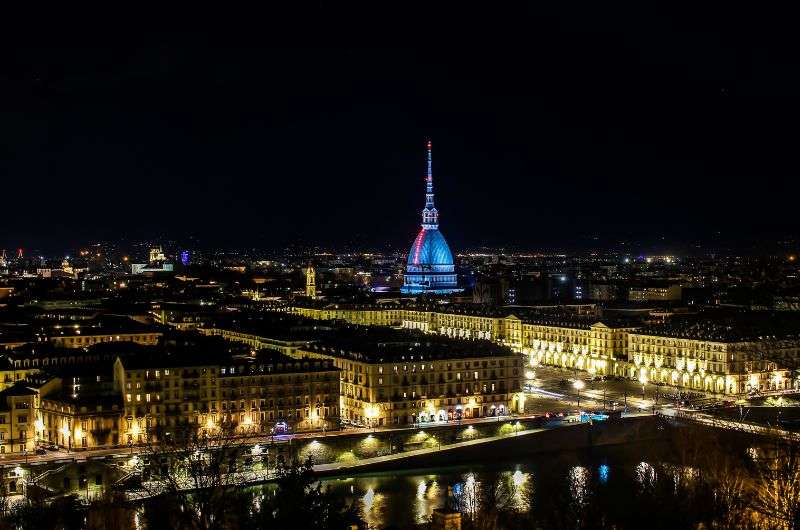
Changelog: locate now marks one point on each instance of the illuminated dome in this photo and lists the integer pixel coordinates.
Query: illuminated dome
(429, 250)
(430, 268)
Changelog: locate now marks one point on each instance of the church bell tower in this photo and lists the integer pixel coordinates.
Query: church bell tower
(311, 282)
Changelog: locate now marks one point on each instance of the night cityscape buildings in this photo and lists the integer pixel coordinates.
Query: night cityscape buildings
(210, 315)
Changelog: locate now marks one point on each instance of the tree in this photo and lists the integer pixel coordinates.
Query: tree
(198, 472)
(64, 513)
(776, 492)
(301, 502)
(110, 512)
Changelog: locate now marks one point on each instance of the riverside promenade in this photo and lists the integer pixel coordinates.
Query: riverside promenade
(557, 437)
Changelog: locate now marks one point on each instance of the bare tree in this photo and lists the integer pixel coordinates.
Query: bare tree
(776, 489)
(199, 471)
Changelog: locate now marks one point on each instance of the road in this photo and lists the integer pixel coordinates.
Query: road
(555, 393)
(65, 456)
(552, 396)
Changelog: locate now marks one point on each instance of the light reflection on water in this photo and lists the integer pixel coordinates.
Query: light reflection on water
(645, 475)
(406, 498)
(579, 484)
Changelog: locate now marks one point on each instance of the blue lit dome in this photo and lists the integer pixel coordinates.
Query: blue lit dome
(429, 250)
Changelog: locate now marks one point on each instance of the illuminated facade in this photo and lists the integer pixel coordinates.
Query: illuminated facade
(79, 425)
(429, 268)
(252, 395)
(18, 406)
(378, 389)
(713, 365)
(721, 365)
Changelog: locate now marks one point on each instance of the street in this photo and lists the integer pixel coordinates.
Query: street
(554, 391)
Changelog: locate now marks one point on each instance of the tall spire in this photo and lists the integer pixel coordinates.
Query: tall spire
(430, 217)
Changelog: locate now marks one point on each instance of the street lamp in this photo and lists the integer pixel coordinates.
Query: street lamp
(578, 385)
(371, 413)
(643, 381)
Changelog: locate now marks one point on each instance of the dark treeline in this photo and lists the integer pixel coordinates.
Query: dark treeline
(297, 501)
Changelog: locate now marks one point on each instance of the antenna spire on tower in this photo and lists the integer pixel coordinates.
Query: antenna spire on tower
(430, 217)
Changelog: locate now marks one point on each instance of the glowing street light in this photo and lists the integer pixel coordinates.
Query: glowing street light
(643, 381)
(578, 385)
(371, 413)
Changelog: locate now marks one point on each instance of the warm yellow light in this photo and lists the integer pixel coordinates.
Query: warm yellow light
(39, 424)
(643, 379)
(78, 432)
(64, 430)
(135, 429)
(578, 385)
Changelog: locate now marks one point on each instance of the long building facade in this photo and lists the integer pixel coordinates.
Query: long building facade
(686, 359)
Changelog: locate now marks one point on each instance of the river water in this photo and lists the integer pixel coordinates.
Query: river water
(539, 482)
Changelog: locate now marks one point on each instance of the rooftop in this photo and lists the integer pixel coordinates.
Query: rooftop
(377, 345)
(728, 327)
(549, 315)
(185, 350)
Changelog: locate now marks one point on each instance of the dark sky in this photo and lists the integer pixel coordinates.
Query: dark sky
(549, 129)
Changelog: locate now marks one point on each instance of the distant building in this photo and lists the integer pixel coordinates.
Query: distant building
(145, 268)
(494, 292)
(157, 255)
(156, 264)
(603, 292)
(671, 293)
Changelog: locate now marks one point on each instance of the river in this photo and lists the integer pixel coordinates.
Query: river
(538, 482)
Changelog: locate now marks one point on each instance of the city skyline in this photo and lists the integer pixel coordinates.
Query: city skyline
(426, 266)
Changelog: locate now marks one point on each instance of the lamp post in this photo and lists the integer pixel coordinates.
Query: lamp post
(643, 381)
(578, 385)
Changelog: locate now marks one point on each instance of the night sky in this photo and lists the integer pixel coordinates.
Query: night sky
(549, 130)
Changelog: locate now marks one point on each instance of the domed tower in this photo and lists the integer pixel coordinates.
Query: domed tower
(429, 268)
